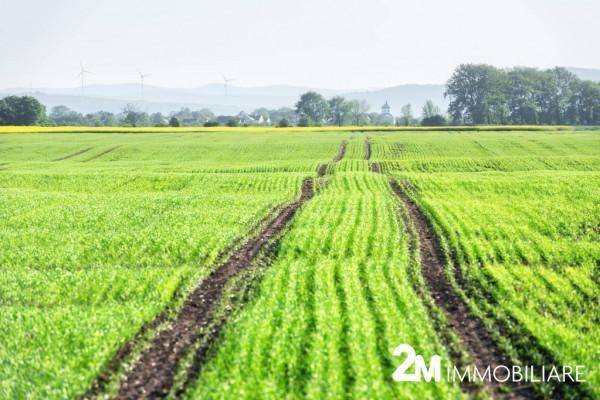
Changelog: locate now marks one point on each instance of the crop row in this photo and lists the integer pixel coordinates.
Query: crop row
(330, 310)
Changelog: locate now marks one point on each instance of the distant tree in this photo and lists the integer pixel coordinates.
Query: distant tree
(203, 115)
(157, 119)
(475, 91)
(585, 107)
(339, 110)
(303, 121)
(358, 111)
(260, 112)
(232, 122)
(211, 123)
(430, 109)
(313, 107)
(132, 116)
(434, 120)
(64, 116)
(406, 116)
(283, 123)
(104, 118)
(284, 113)
(174, 122)
(24, 110)
(522, 91)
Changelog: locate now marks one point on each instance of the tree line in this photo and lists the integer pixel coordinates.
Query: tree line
(483, 94)
(478, 93)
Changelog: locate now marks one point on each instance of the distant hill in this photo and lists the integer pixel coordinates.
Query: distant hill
(588, 74)
(114, 97)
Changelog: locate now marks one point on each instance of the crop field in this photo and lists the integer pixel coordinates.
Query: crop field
(291, 263)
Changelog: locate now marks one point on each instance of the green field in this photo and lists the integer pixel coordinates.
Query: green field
(101, 231)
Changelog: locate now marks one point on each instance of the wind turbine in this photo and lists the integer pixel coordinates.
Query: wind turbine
(142, 77)
(227, 80)
(82, 73)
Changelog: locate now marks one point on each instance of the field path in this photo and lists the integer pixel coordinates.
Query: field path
(367, 155)
(470, 329)
(85, 150)
(153, 374)
(101, 154)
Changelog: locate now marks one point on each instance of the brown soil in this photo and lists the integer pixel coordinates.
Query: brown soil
(367, 149)
(73, 154)
(341, 151)
(375, 168)
(101, 154)
(322, 170)
(152, 375)
(470, 329)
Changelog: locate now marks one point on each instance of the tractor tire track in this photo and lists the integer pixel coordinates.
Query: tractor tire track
(152, 376)
(472, 332)
(73, 154)
(323, 169)
(102, 153)
(367, 149)
(341, 151)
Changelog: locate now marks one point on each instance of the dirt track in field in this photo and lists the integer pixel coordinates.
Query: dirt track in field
(470, 329)
(341, 151)
(153, 374)
(367, 149)
(102, 153)
(73, 154)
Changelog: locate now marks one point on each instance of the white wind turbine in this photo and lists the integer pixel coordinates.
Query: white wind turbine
(142, 77)
(82, 74)
(227, 81)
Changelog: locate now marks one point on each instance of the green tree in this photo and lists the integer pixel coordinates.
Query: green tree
(132, 116)
(21, 110)
(313, 107)
(475, 93)
(339, 109)
(174, 122)
(406, 116)
(430, 109)
(64, 116)
(283, 123)
(358, 111)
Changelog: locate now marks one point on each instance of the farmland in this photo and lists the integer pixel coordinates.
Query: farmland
(102, 232)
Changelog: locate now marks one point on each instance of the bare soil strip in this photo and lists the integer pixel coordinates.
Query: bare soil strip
(341, 151)
(101, 154)
(73, 154)
(367, 149)
(322, 169)
(471, 330)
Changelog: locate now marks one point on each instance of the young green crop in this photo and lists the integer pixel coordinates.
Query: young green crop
(93, 247)
(520, 215)
(331, 309)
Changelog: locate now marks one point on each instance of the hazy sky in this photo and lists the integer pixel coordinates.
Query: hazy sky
(321, 43)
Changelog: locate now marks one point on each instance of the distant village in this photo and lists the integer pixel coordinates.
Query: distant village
(311, 110)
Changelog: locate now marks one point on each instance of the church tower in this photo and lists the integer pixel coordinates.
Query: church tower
(385, 109)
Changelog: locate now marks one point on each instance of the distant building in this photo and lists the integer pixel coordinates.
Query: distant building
(386, 117)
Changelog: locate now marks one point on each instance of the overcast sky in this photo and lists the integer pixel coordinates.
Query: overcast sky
(321, 43)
